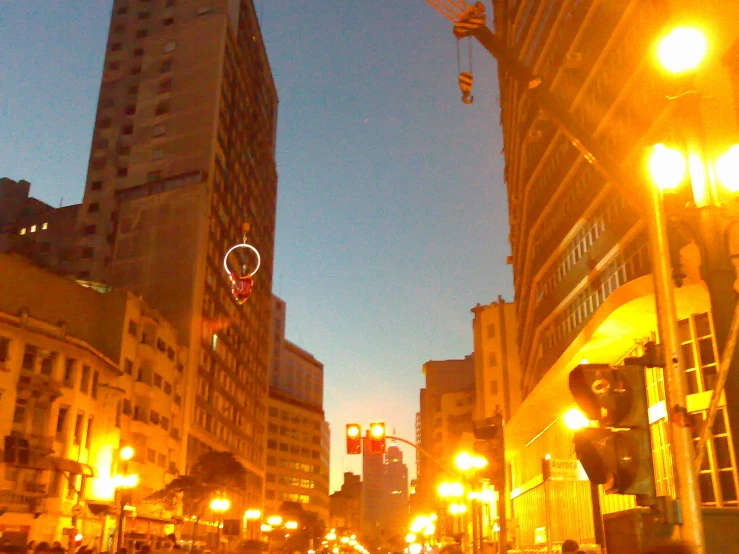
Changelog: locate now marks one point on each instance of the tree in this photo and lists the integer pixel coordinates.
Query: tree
(215, 472)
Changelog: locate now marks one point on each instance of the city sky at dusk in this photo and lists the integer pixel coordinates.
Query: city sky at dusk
(391, 220)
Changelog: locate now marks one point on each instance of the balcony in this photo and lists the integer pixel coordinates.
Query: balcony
(38, 387)
(22, 502)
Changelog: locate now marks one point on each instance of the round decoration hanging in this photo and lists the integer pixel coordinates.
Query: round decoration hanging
(242, 281)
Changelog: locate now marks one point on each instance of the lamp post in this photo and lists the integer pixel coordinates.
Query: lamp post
(468, 464)
(251, 515)
(220, 505)
(124, 482)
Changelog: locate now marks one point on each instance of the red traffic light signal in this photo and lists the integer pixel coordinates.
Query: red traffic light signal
(617, 455)
(353, 438)
(377, 437)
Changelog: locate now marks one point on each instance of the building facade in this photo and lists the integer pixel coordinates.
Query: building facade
(346, 504)
(182, 164)
(35, 230)
(82, 375)
(447, 405)
(395, 517)
(298, 436)
(497, 369)
(581, 263)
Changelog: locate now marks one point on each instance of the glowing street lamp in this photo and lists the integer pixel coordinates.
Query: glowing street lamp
(466, 461)
(126, 453)
(575, 420)
(667, 167)
(727, 169)
(274, 521)
(220, 505)
(683, 49)
(451, 490)
(292, 525)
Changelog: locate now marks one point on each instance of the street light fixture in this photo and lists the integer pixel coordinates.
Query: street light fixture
(220, 505)
(451, 490)
(683, 49)
(575, 420)
(666, 167)
(466, 461)
(124, 482)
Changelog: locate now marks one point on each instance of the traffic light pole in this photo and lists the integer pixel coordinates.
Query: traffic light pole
(472, 23)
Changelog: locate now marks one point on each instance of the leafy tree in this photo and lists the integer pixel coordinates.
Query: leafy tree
(215, 473)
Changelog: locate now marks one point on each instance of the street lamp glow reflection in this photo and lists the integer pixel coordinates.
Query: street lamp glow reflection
(666, 167)
(727, 169)
(683, 49)
(574, 419)
(220, 504)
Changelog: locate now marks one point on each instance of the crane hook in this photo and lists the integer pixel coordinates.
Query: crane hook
(465, 85)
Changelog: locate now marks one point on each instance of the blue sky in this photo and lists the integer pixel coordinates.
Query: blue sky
(392, 220)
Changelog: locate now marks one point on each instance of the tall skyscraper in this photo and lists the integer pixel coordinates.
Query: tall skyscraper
(580, 254)
(394, 520)
(183, 156)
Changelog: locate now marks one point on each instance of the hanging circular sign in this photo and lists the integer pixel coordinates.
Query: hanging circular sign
(241, 283)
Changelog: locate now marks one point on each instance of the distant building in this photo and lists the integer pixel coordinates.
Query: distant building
(35, 230)
(373, 474)
(497, 369)
(447, 404)
(394, 517)
(83, 374)
(298, 438)
(346, 504)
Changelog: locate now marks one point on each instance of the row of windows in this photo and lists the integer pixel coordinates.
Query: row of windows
(293, 449)
(293, 464)
(292, 433)
(32, 229)
(284, 415)
(291, 481)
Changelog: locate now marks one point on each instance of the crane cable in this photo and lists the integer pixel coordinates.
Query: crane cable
(465, 77)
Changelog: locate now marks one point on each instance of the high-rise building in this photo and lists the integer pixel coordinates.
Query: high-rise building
(373, 473)
(298, 438)
(581, 262)
(497, 369)
(182, 158)
(447, 404)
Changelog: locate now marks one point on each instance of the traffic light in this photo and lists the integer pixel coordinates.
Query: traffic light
(377, 438)
(353, 438)
(618, 454)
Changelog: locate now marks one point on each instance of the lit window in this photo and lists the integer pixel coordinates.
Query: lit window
(45, 225)
(23, 231)
(33, 228)
(157, 154)
(215, 341)
(170, 46)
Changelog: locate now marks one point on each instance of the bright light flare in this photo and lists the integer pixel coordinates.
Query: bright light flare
(450, 490)
(274, 521)
(377, 430)
(666, 167)
(574, 419)
(457, 509)
(683, 49)
(126, 453)
(220, 504)
(727, 169)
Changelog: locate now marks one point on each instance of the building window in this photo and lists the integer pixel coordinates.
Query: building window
(132, 328)
(214, 341)
(128, 367)
(170, 46)
(168, 21)
(4, 348)
(95, 379)
(93, 208)
(141, 33)
(492, 359)
(136, 70)
(144, 15)
(87, 252)
(158, 380)
(90, 230)
(170, 3)
(159, 130)
(44, 225)
(166, 66)
(22, 231)
(68, 372)
(165, 86)
(78, 429)
(130, 110)
(122, 11)
(85, 379)
(88, 438)
(114, 65)
(138, 53)
(19, 414)
(153, 176)
(47, 364)
(96, 185)
(29, 357)
(61, 421)
(162, 108)
(122, 171)
(167, 388)
(33, 228)
(119, 28)
(107, 103)
(124, 150)
(116, 47)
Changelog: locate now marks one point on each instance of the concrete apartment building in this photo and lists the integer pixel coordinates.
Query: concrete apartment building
(497, 369)
(182, 157)
(35, 230)
(581, 263)
(298, 437)
(83, 374)
(447, 405)
(394, 519)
